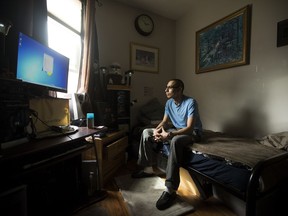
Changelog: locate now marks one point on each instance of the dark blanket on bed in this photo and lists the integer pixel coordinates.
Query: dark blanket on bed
(234, 149)
(235, 177)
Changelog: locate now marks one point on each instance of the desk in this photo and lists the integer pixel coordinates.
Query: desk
(50, 169)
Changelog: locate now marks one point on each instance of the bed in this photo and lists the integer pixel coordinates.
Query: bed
(252, 170)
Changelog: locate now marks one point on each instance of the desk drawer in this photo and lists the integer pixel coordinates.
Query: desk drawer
(114, 149)
(111, 167)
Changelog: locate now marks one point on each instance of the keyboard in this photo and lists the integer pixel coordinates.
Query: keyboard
(57, 131)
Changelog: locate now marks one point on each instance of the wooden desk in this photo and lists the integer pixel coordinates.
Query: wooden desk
(50, 169)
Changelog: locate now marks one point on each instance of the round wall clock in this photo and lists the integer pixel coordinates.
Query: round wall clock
(144, 24)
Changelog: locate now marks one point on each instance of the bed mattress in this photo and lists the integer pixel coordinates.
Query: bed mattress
(234, 150)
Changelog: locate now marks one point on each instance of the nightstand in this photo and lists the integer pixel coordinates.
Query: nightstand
(111, 151)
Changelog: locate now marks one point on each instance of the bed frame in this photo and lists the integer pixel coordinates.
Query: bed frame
(252, 197)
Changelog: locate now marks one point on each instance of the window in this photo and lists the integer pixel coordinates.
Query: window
(64, 34)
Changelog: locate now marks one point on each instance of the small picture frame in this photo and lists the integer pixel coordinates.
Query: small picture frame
(144, 58)
(282, 33)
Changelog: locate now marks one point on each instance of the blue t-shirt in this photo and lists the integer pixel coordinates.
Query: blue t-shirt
(179, 114)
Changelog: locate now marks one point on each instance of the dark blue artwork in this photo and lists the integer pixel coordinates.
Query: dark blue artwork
(222, 44)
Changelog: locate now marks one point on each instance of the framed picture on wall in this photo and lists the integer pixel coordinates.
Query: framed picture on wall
(282, 33)
(225, 43)
(144, 58)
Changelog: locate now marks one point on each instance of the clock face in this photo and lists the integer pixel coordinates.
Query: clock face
(144, 24)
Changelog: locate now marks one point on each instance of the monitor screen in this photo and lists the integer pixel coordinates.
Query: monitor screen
(41, 65)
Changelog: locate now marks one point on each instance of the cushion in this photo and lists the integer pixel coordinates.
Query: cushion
(152, 110)
(277, 140)
(151, 106)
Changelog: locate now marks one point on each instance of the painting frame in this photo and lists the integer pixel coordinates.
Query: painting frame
(224, 43)
(144, 58)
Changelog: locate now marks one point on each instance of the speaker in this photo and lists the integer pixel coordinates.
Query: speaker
(14, 124)
(105, 116)
(14, 110)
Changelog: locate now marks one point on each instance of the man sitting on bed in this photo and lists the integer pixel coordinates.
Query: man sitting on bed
(183, 112)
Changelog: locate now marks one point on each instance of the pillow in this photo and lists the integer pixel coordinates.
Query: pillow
(151, 106)
(277, 140)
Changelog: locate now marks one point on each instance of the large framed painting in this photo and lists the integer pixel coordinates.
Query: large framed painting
(225, 43)
(144, 58)
(282, 33)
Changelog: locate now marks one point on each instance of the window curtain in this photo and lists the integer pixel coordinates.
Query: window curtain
(89, 72)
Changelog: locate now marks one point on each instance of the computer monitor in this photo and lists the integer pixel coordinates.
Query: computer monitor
(40, 65)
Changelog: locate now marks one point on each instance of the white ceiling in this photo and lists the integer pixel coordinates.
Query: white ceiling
(172, 9)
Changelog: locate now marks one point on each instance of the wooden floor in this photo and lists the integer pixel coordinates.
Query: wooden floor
(114, 204)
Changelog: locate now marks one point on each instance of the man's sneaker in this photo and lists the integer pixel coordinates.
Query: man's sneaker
(166, 200)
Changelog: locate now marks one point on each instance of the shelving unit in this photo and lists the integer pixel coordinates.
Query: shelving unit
(118, 87)
(118, 96)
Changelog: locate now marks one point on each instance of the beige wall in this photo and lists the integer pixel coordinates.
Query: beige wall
(251, 99)
(115, 25)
